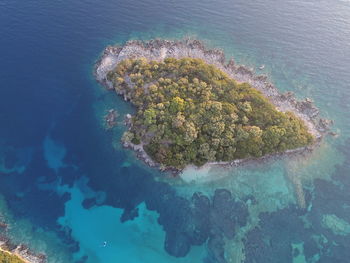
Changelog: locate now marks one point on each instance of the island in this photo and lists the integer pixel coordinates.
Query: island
(193, 108)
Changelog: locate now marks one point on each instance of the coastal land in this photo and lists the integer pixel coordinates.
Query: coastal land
(16, 253)
(8, 257)
(117, 63)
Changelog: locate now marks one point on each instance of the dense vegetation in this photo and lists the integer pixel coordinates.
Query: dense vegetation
(8, 258)
(190, 112)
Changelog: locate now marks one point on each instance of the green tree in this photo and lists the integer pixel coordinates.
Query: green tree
(190, 112)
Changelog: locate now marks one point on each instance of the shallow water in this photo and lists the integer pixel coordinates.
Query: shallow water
(66, 182)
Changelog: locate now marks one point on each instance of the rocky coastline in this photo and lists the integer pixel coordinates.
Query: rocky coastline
(160, 49)
(19, 250)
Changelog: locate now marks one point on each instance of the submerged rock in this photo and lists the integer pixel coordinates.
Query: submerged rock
(111, 118)
(216, 249)
(193, 222)
(129, 214)
(177, 244)
(3, 225)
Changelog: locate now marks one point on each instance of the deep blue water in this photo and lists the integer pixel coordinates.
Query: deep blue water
(66, 189)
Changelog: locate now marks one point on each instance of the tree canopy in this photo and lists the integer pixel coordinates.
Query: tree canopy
(190, 112)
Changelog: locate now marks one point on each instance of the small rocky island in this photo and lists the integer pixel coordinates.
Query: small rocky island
(194, 108)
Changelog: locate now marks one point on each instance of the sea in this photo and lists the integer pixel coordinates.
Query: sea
(69, 190)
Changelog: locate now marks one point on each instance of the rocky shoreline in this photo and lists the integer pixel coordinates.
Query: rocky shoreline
(160, 49)
(19, 250)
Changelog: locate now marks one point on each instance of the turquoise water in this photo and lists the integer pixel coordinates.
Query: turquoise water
(140, 240)
(67, 186)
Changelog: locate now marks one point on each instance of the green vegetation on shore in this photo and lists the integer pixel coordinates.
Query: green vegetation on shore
(9, 258)
(189, 112)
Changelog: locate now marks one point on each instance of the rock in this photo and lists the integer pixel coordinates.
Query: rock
(261, 78)
(177, 244)
(231, 63)
(201, 219)
(324, 124)
(227, 213)
(3, 225)
(88, 203)
(334, 134)
(216, 249)
(111, 118)
(129, 214)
